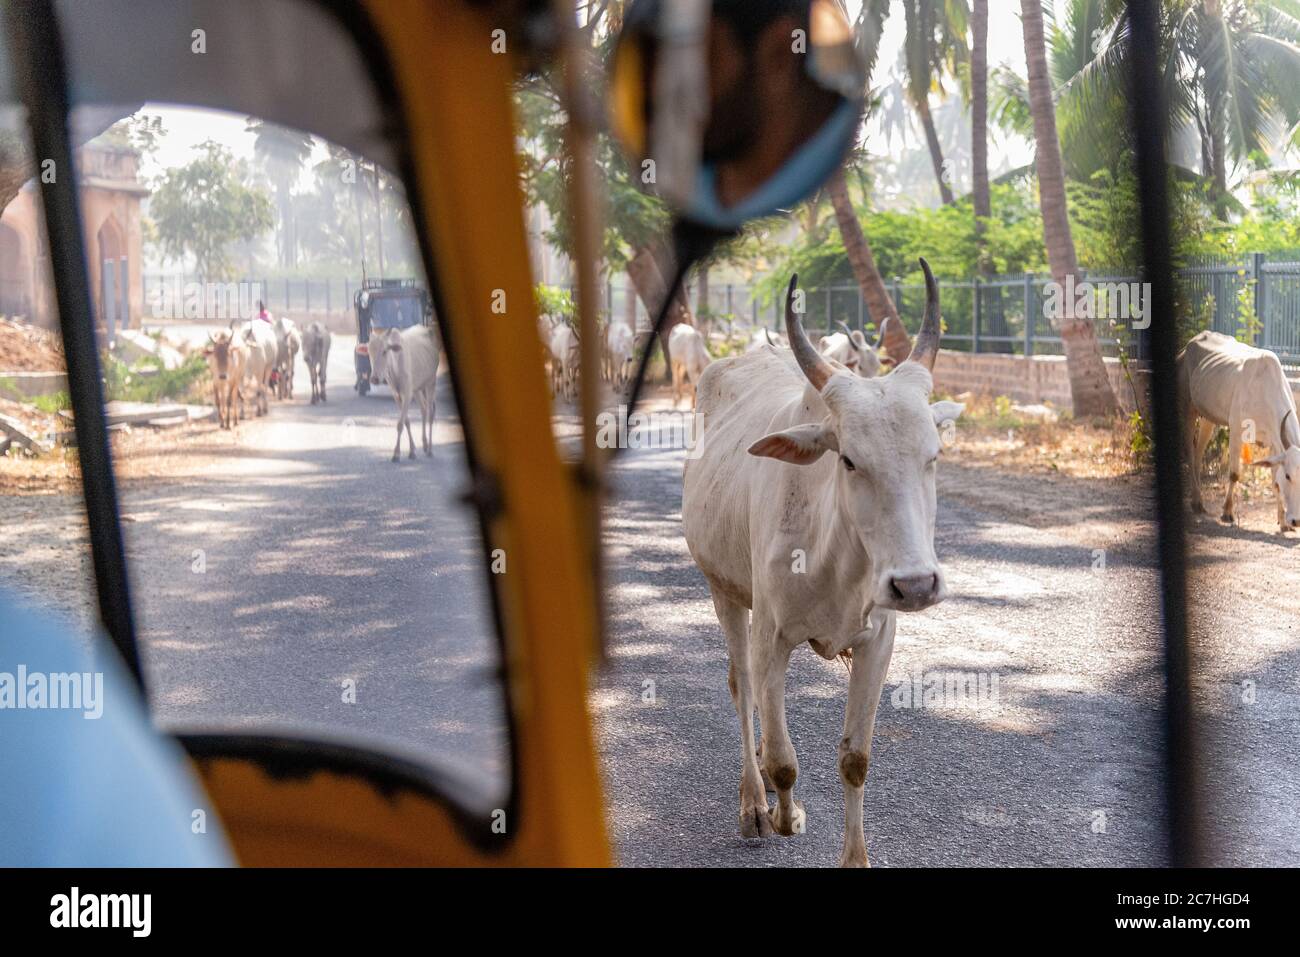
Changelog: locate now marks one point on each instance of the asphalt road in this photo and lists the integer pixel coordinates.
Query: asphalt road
(323, 563)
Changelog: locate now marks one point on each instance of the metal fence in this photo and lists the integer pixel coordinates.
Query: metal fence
(1006, 314)
(280, 295)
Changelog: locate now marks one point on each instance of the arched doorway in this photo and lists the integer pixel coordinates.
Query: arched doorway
(15, 277)
(112, 295)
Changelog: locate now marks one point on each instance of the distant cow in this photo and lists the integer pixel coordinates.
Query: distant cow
(287, 344)
(810, 510)
(851, 349)
(316, 354)
(410, 367)
(765, 339)
(566, 357)
(620, 354)
(226, 357)
(689, 360)
(1224, 382)
(260, 340)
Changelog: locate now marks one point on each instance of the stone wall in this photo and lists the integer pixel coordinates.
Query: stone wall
(1037, 379)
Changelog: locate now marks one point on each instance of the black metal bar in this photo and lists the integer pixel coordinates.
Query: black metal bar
(37, 52)
(1150, 126)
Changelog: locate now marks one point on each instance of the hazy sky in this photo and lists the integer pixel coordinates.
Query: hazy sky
(186, 128)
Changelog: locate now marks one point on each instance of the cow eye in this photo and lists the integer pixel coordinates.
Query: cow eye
(847, 464)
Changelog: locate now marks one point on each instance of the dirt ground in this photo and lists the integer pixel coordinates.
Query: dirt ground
(25, 348)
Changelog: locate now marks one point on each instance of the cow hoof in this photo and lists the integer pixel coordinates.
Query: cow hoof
(797, 824)
(755, 822)
(1226, 518)
(428, 453)
(854, 858)
(397, 458)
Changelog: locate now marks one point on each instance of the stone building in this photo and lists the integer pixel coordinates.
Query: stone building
(110, 191)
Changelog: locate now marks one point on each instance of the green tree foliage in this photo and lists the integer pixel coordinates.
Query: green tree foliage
(201, 208)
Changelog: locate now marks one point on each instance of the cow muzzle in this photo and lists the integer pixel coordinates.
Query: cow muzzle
(911, 589)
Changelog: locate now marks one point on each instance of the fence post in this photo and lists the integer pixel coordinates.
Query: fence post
(1029, 314)
(1261, 305)
(975, 315)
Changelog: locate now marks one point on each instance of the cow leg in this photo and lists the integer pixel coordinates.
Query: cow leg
(426, 421)
(1235, 426)
(406, 418)
(772, 658)
(870, 665)
(397, 449)
(1199, 437)
(734, 619)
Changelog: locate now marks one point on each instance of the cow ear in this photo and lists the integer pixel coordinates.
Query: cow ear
(859, 340)
(945, 411)
(802, 445)
(1273, 461)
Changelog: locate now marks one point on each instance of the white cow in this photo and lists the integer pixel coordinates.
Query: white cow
(823, 549)
(763, 339)
(1226, 382)
(851, 349)
(288, 342)
(410, 360)
(260, 339)
(690, 358)
(620, 354)
(566, 358)
(226, 357)
(316, 354)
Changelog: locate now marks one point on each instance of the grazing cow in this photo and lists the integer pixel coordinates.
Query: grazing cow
(823, 549)
(620, 355)
(410, 358)
(226, 359)
(316, 354)
(1226, 382)
(260, 340)
(851, 349)
(764, 339)
(689, 360)
(287, 344)
(566, 358)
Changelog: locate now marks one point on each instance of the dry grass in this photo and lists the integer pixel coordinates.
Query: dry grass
(991, 433)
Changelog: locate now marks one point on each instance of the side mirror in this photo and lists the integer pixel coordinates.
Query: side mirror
(733, 110)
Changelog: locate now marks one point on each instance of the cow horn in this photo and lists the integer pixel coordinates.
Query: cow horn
(926, 346)
(768, 336)
(817, 369)
(844, 327)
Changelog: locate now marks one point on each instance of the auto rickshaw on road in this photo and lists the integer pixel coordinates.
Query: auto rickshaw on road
(385, 304)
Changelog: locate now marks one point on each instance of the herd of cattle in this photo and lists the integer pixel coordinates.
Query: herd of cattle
(688, 353)
(260, 357)
(257, 360)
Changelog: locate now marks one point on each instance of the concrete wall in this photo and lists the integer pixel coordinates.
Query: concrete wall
(1030, 380)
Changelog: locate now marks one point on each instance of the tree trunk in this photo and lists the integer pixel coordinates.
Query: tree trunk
(936, 151)
(993, 320)
(880, 305)
(1090, 386)
(979, 151)
(644, 271)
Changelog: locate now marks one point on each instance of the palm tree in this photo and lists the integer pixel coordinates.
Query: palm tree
(880, 305)
(1090, 386)
(979, 95)
(933, 44)
(282, 152)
